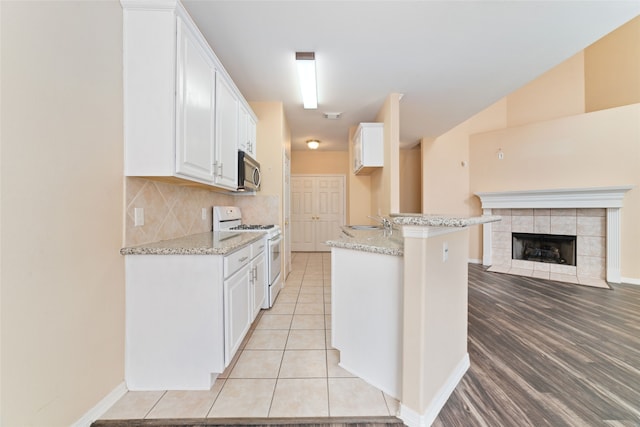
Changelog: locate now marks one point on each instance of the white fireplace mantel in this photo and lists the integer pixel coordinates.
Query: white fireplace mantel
(610, 198)
(598, 197)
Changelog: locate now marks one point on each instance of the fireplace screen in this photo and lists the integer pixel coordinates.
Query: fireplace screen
(551, 248)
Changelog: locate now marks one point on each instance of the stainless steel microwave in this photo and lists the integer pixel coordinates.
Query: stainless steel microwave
(248, 172)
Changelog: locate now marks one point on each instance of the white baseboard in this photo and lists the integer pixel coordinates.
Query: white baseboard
(474, 261)
(101, 407)
(630, 280)
(413, 419)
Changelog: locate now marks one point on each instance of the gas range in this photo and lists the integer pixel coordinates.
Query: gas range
(252, 227)
(229, 218)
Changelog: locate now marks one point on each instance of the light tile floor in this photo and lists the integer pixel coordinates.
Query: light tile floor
(286, 366)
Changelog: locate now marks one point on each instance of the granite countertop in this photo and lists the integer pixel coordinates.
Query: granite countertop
(376, 241)
(209, 243)
(427, 220)
(392, 243)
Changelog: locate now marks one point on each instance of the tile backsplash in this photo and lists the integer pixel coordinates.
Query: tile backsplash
(172, 210)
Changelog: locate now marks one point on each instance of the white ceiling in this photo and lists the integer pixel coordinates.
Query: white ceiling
(450, 59)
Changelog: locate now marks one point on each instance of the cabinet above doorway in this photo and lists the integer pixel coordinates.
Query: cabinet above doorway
(184, 116)
(368, 148)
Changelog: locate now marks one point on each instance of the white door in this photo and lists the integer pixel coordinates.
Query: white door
(287, 215)
(317, 211)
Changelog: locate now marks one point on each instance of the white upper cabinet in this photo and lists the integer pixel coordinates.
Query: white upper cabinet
(247, 133)
(195, 101)
(368, 148)
(226, 122)
(173, 83)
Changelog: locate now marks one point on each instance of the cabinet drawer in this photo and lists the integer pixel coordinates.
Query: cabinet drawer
(257, 248)
(233, 262)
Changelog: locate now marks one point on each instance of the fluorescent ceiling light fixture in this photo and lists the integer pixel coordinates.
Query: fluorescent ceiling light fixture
(313, 144)
(306, 62)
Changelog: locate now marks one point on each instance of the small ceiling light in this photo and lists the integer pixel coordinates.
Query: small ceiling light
(313, 144)
(306, 62)
(332, 116)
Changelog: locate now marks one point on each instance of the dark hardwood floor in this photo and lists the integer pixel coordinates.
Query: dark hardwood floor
(548, 354)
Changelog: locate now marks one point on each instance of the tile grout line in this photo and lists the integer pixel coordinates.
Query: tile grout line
(164, 393)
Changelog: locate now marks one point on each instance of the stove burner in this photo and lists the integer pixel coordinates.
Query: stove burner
(252, 227)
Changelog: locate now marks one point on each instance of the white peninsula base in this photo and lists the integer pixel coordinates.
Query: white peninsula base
(366, 316)
(399, 314)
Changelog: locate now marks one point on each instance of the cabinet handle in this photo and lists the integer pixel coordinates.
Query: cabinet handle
(221, 166)
(244, 258)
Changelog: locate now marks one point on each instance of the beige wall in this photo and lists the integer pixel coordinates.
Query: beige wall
(410, 170)
(320, 162)
(272, 141)
(612, 69)
(557, 93)
(446, 179)
(541, 128)
(596, 149)
(62, 277)
(385, 183)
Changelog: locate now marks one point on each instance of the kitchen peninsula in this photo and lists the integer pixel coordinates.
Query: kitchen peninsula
(399, 308)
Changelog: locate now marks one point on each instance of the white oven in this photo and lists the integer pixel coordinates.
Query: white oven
(229, 218)
(274, 252)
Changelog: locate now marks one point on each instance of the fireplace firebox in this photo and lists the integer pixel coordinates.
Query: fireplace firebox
(549, 248)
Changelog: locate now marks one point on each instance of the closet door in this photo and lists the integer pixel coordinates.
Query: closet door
(317, 211)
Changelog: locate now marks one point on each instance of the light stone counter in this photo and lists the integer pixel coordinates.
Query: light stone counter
(210, 243)
(383, 242)
(377, 241)
(425, 220)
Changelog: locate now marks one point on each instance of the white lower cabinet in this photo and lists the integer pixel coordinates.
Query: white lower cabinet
(237, 311)
(259, 277)
(186, 316)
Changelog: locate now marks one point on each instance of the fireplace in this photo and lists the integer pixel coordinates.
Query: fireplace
(593, 215)
(548, 248)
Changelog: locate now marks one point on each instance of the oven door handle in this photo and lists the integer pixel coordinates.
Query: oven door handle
(275, 240)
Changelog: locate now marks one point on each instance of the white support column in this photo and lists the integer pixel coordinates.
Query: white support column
(486, 240)
(613, 245)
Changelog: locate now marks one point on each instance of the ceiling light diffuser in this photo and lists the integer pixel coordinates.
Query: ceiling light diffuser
(306, 62)
(313, 144)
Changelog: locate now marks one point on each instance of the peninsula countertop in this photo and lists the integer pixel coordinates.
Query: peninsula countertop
(428, 220)
(391, 242)
(209, 243)
(377, 240)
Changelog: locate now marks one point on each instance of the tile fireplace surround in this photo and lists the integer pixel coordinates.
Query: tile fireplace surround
(591, 214)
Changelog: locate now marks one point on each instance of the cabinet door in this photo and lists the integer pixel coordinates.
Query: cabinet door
(237, 311)
(251, 137)
(246, 132)
(226, 141)
(195, 95)
(259, 284)
(357, 151)
(243, 139)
